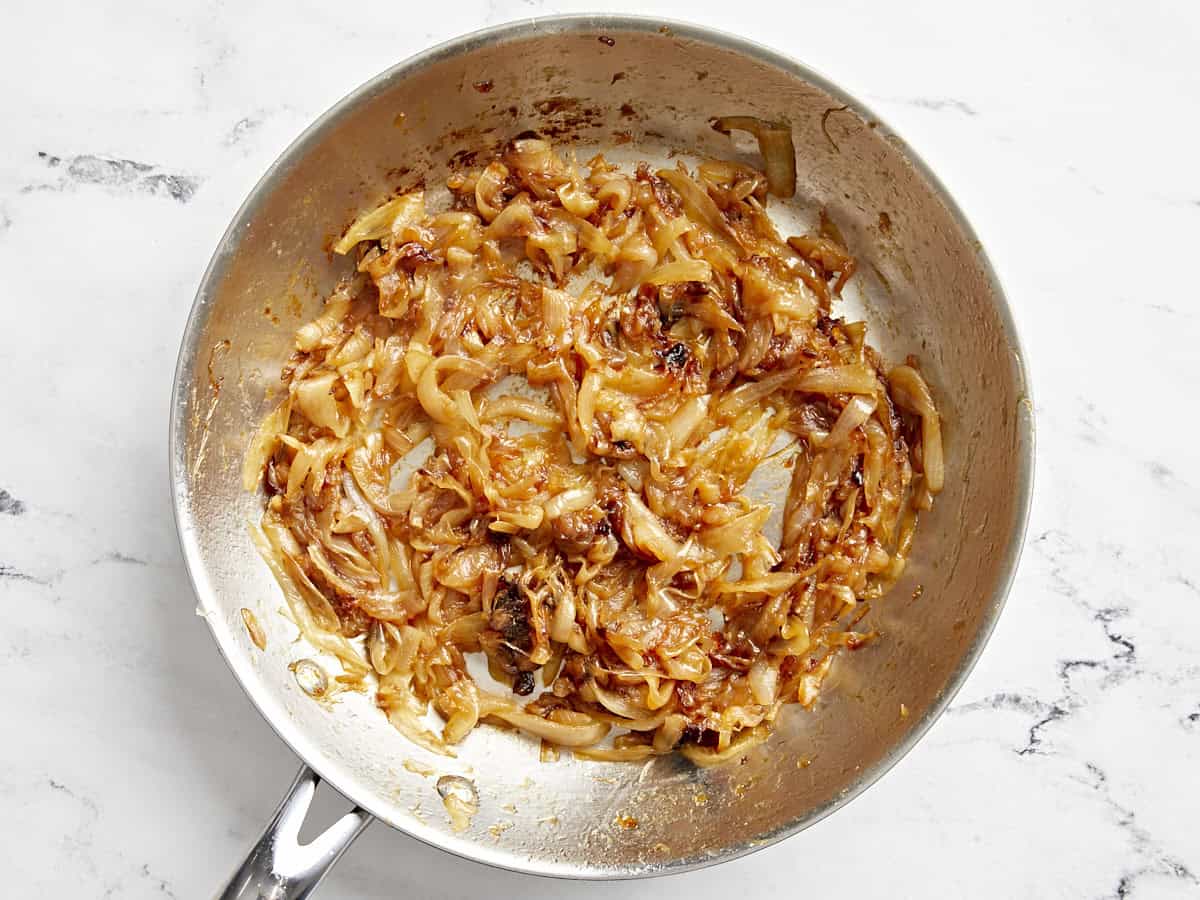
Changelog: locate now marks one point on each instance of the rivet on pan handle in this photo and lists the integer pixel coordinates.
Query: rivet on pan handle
(278, 866)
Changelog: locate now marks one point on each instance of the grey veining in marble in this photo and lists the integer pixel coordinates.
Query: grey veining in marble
(132, 765)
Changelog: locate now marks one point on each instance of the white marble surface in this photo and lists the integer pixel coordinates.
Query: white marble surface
(132, 766)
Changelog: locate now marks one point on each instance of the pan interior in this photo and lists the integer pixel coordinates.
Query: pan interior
(642, 93)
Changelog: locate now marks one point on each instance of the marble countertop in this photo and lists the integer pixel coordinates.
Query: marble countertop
(133, 766)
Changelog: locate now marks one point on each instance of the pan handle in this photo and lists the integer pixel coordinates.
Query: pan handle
(279, 867)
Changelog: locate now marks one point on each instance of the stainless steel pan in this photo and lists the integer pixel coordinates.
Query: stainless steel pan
(645, 90)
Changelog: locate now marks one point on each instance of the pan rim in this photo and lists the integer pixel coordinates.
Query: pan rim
(293, 735)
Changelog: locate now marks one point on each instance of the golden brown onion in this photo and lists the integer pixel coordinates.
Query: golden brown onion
(530, 427)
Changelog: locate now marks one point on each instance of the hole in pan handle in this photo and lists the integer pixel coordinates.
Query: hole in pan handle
(278, 866)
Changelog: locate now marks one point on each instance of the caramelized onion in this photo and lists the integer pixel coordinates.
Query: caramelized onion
(529, 426)
(775, 145)
(911, 393)
(383, 221)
